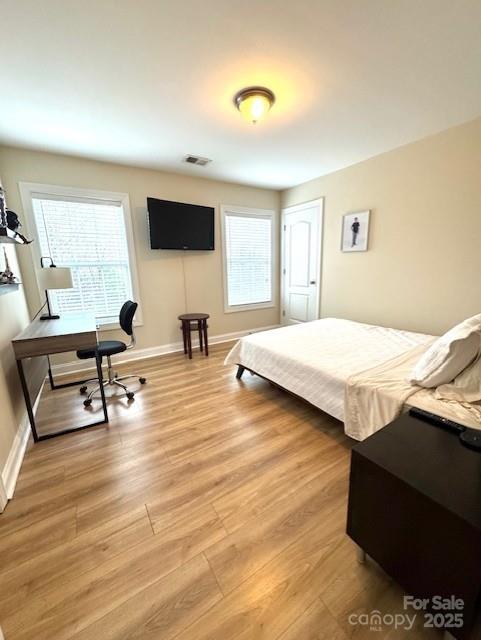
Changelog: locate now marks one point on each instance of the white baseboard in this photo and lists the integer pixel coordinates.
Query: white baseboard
(9, 476)
(78, 366)
(14, 462)
(3, 501)
(15, 457)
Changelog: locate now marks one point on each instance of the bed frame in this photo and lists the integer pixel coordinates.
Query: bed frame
(241, 369)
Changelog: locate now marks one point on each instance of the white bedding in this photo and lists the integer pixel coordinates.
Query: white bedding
(375, 397)
(314, 360)
(466, 413)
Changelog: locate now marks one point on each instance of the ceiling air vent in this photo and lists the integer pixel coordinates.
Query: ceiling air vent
(197, 160)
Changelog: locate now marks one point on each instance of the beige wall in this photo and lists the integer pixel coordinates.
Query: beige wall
(422, 270)
(13, 318)
(160, 272)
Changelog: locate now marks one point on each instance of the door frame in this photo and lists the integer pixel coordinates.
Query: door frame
(319, 202)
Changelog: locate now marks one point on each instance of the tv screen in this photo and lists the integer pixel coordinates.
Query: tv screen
(175, 225)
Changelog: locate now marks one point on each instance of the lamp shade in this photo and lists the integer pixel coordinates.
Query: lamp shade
(55, 278)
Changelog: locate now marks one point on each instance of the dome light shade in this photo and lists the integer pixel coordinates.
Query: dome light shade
(254, 102)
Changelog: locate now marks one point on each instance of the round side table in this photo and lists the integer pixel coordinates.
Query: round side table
(194, 322)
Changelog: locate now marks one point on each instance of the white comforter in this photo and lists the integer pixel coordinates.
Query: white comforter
(314, 360)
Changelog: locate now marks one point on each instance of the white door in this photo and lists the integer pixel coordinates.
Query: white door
(301, 262)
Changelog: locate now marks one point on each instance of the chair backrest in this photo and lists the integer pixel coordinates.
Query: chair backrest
(126, 316)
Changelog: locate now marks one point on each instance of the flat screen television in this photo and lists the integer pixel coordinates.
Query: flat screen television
(176, 225)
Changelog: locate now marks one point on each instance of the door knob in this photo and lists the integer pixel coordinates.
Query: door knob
(312, 282)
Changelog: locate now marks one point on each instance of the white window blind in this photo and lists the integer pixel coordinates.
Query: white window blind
(88, 236)
(248, 258)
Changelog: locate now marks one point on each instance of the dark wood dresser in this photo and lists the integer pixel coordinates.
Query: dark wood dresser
(415, 508)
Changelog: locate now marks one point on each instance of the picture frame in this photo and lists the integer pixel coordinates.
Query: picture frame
(355, 231)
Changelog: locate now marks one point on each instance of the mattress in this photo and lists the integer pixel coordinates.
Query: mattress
(315, 359)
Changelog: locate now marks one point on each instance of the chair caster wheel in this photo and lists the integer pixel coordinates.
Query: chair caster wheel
(83, 390)
(130, 395)
(142, 380)
(87, 402)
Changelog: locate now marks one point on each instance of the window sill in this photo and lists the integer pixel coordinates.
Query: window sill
(249, 307)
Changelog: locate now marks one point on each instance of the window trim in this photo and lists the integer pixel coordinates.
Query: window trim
(256, 213)
(28, 189)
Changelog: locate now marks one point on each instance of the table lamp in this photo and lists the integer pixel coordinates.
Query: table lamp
(53, 277)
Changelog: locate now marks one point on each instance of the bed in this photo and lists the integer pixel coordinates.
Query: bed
(353, 371)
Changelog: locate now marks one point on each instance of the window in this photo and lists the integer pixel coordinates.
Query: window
(89, 234)
(248, 244)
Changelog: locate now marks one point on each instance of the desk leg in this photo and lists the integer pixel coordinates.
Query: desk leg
(98, 358)
(31, 417)
(28, 403)
(54, 385)
(48, 436)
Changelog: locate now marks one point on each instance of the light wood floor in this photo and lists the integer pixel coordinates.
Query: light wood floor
(208, 509)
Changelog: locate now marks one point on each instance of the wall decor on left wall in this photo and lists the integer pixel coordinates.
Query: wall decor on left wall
(10, 224)
(8, 280)
(6, 274)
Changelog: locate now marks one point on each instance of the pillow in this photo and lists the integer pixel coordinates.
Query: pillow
(466, 387)
(449, 355)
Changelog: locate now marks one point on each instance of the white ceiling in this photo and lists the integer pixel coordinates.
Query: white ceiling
(145, 82)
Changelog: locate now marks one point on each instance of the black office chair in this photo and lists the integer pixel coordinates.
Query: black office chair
(110, 347)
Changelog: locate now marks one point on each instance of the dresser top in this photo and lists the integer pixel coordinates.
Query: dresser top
(431, 460)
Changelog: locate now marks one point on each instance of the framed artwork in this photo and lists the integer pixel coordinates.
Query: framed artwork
(355, 231)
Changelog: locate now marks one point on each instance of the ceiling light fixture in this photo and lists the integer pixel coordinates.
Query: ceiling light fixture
(254, 102)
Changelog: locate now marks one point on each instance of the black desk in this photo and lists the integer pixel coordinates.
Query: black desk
(42, 338)
(415, 508)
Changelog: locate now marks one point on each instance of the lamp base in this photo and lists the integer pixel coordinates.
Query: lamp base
(48, 316)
